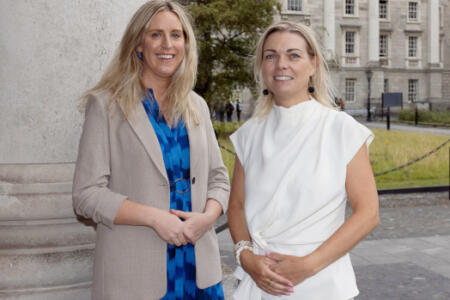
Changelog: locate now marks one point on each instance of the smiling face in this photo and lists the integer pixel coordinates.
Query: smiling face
(287, 67)
(162, 47)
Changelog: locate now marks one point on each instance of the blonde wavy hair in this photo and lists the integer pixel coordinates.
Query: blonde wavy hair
(323, 91)
(122, 78)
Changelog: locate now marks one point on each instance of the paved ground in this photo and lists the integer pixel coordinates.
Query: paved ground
(406, 257)
(408, 128)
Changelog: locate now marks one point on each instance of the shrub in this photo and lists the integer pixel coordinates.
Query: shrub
(425, 116)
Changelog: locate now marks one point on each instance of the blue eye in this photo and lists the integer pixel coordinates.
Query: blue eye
(295, 55)
(156, 34)
(270, 56)
(176, 35)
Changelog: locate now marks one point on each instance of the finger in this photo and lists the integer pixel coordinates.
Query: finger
(182, 239)
(279, 279)
(269, 261)
(182, 214)
(278, 287)
(190, 239)
(266, 288)
(275, 256)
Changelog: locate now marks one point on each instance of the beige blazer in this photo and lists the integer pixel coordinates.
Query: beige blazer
(121, 159)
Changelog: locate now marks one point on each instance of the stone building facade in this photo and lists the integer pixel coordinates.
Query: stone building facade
(403, 46)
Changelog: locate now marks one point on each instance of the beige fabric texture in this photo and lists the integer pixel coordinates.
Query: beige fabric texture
(121, 159)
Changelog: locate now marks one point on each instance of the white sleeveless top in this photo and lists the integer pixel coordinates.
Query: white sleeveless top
(295, 163)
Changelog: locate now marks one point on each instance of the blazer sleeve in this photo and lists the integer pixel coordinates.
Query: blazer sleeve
(218, 181)
(90, 193)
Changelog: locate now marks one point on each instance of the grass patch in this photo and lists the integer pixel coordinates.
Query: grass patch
(394, 148)
(391, 149)
(224, 129)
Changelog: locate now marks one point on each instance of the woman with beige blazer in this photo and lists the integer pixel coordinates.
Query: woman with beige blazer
(149, 171)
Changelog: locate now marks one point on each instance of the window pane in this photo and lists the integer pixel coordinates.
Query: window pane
(349, 7)
(383, 45)
(350, 89)
(412, 46)
(295, 5)
(412, 10)
(349, 42)
(412, 90)
(383, 9)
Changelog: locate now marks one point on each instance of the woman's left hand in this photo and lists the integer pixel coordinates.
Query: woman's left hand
(293, 268)
(195, 224)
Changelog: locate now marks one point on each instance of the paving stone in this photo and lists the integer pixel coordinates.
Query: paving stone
(416, 244)
(438, 240)
(443, 270)
(424, 260)
(401, 281)
(359, 260)
(439, 252)
(385, 258)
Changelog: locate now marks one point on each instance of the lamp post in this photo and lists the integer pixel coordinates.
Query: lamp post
(369, 78)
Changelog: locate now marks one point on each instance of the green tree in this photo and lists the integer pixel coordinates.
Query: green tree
(227, 32)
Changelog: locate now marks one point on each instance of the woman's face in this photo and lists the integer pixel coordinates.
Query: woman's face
(163, 46)
(287, 67)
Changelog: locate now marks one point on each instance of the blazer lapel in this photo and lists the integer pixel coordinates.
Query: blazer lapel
(144, 130)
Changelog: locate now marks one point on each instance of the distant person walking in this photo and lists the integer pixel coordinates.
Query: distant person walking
(238, 110)
(229, 109)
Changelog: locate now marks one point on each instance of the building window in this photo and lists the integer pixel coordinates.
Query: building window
(349, 42)
(350, 89)
(412, 90)
(412, 46)
(386, 86)
(383, 46)
(350, 7)
(383, 9)
(412, 11)
(294, 5)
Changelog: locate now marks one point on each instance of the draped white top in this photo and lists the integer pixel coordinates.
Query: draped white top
(295, 168)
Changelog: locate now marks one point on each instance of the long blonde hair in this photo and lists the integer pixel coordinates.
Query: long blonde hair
(323, 91)
(122, 78)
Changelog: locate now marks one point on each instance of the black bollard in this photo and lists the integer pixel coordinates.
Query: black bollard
(416, 117)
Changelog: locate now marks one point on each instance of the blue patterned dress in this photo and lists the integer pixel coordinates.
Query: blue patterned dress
(174, 144)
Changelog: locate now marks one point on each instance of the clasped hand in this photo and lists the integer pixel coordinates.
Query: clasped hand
(180, 227)
(275, 273)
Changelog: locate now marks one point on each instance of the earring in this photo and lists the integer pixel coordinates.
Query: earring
(266, 92)
(311, 90)
(139, 55)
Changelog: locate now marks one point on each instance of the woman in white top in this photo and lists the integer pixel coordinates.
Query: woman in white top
(297, 160)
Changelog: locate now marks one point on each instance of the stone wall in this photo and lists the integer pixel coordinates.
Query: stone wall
(51, 52)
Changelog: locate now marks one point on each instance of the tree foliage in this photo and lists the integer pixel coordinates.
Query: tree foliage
(227, 32)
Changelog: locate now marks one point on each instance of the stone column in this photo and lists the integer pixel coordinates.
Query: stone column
(374, 33)
(434, 77)
(433, 33)
(51, 52)
(329, 22)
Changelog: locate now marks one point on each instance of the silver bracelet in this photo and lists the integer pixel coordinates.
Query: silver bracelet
(241, 244)
(239, 247)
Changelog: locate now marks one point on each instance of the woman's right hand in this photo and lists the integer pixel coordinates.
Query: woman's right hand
(258, 267)
(170, 228)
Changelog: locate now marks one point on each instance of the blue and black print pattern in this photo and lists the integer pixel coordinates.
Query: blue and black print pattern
(174, 144)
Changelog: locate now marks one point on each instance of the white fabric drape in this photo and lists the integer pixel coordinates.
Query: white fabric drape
(295, 168)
